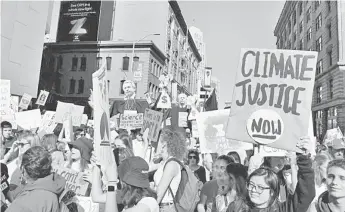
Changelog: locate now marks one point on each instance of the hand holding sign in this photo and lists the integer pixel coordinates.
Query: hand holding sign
(304, 145)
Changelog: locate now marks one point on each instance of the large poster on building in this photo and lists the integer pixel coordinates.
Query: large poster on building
(78, 21)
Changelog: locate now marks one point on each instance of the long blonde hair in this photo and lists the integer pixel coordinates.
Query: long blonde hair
(321, 160)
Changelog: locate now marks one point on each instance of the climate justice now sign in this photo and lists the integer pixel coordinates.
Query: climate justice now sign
(272, 98)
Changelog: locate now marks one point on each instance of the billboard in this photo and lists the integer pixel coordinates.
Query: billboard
(78, 21)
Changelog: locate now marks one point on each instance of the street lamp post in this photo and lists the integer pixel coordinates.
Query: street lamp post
(132, 61)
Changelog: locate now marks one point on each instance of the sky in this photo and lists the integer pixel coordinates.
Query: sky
(229, 26)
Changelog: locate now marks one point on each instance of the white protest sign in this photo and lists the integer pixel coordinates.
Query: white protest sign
(195, 131)
(65, 110)
(25, 101)
(84, 119)
(48, 123)
(14, 103)
(6, 114)
(272, 98)
(193, 113)
(74, 180)
(101, 117)
(130, 121)
(42, 98)
(28, 119)
(164, 100)
(332, 134)
(182, 119)
(212, 126)
(152, 120)
(267, 151)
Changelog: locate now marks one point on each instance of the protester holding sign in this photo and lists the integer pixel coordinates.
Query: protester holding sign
(42, 188)
(50, 142)
(264, 188)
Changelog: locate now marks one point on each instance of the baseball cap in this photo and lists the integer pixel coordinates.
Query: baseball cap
(338, 143)
(134, 171)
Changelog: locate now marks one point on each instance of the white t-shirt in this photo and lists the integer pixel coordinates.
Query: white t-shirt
(151, 203)
(139, 148)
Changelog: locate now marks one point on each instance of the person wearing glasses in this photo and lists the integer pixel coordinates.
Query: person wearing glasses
(79, 133)
(193, 161)
(263, 186)
(218, 185)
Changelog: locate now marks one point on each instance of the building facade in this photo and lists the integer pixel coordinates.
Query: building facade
(198, 37)
(319, 26)
(22, 37)
(153, 34)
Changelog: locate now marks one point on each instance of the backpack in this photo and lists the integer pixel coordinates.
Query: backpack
(188, 192)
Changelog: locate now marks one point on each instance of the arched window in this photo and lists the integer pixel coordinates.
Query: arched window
(81, 86)
(71, 86)
(125, 63)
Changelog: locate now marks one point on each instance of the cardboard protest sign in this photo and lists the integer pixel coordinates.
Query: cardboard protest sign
(272, 98)
(65, 110)
(6, 114)
(130, 121)
(182, 119)
(101, 117)
(195, 131)
(67, 130)
(74, 180)
(14, 103)
(164, 101)
(152, 120)
(28, 119)
(42, 98)
(25, 101)
(48, 123)
(212, 126)
(332, 134)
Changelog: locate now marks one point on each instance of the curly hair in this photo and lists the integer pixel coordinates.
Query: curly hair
(49, 141)
(37, 162)
(132, 195)
(175, 141)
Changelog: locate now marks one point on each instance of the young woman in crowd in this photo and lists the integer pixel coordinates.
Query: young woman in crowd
(236, 156)
(172, 144)
(137, 195)
(123, 147)
(237, 189)
(320, 164)
(81, 151)
(193, 161)
(41, 188)
(264, 186)
(219, 183)
(50, 142)
(333, 200)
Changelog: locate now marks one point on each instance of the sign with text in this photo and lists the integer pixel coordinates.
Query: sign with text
(78, 21)
(25, 101)
(131, 121)
(182, 119)
(6, 113)
(332, 134)
(65, 110)
(74, 180)
(101, 117)
(267, 151)
(42, 98)
(14, 103)
(273, 90)
(48, 123)
(152, 120)
(212, 126)
(28, 119)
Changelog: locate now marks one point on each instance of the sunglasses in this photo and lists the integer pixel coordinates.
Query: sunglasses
(21, 145)
(191, 157)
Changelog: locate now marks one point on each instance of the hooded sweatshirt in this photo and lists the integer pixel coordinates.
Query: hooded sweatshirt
(41, 195)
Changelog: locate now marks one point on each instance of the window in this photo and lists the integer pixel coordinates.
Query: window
(135, 63)
(317, 4)
(60, 63)
(319, 94)
(319, 67)
(83, 63)
(300, 8)
(301, 45)
(289, 27)
(319, 44)
(329, 6)
(121, 87)
(318, 120)
(332, 118)
(74, 63)
(330, 58)
(329, 30)
(125, 63)
(308, 14)
(294, 18)
(81, 86)
(301, 27)
(99, 62)
(288, 46)
(319, 22)
(71, 86)
(294, 37)
(309, 34)
(331, 88)
(108, 63)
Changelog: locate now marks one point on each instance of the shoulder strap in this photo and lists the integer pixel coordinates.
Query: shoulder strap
(169, 188)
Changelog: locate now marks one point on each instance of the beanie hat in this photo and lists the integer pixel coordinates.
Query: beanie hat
(134, 171)
(84, 145)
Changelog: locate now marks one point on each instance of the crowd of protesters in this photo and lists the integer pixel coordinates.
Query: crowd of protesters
(146, 182)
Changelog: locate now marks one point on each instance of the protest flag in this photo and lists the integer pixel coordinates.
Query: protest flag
(211, 103)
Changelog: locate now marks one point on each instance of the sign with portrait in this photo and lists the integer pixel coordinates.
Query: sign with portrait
(42, 98)
(272, 98)
(25, 101)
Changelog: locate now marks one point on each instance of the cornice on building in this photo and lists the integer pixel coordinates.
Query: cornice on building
(289, 6)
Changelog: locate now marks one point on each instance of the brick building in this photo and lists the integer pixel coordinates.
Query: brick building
(319, 26)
